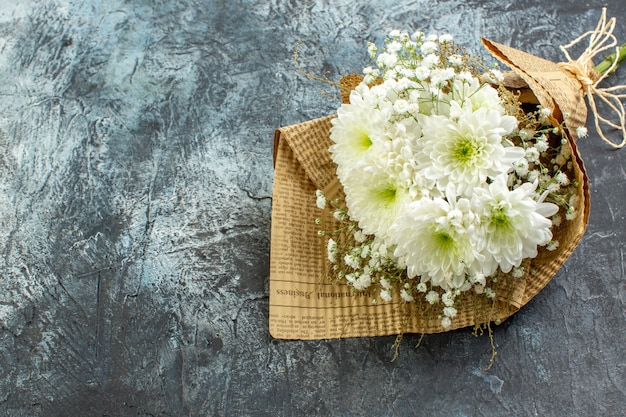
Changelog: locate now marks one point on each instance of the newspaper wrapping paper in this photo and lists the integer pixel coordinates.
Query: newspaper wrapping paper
(306, 304)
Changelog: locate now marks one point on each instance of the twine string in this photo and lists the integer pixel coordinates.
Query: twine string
(600, 40)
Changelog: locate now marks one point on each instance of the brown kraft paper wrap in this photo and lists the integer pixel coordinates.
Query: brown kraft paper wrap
(306, 304)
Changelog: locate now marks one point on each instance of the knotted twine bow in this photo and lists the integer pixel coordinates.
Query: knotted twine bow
(600, 39)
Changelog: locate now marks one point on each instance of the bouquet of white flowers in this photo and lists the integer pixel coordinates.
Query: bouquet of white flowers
(447, 181)
(449, 191)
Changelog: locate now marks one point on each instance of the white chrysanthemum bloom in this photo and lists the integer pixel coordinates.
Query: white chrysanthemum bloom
(374, 198)
(513, 223)
(360, 126)
(468, 151)
(434, 243)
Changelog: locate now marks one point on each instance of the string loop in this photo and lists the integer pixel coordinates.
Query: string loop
(600, 40)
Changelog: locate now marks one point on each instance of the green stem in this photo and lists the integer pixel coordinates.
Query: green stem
(604, 66)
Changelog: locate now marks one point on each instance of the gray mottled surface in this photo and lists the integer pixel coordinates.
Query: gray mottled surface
(135, 184)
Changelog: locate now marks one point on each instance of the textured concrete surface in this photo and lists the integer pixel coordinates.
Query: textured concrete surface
(135, 190)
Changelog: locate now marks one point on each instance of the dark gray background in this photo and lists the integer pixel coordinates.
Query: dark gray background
(135, 202)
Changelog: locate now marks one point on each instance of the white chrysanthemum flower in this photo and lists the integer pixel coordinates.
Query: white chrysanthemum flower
(357, 127)
(374, 198)
(513, 223)
(468, 151)
(434, 243)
